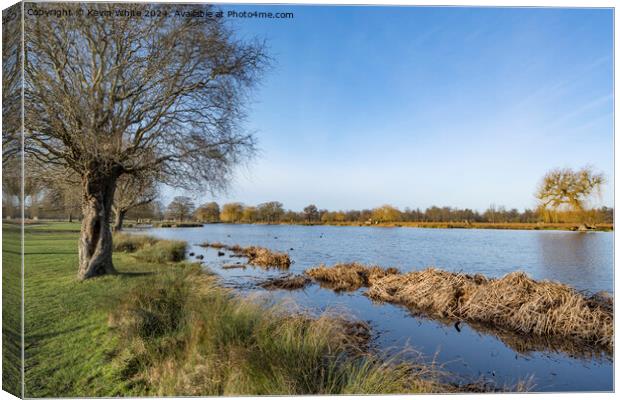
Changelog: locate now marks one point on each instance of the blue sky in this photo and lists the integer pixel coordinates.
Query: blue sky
(426, 106)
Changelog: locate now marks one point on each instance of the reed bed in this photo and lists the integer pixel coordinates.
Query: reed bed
(348, 276)
(514, 302)
(287, 282)
(266, 258)
(257, 256)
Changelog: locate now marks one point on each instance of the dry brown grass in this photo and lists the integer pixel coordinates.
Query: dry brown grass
(257, 256)
(233, 266)
(287, 283)
(515, 302)
(215, 245)
(348, 276)
(266, 258)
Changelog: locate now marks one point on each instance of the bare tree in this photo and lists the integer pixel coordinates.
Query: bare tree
(311, 213)
(12, 79)
(132, 191)
(180, 208)
(112, 96)
(208, 212)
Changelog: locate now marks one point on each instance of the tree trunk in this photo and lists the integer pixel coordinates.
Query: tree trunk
(119, 217)
(95, 246)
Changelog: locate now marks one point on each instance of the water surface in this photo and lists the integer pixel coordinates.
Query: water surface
(583, 260)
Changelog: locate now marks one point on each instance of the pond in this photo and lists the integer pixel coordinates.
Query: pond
(583, 260)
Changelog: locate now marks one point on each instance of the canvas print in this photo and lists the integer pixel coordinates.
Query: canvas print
(286, 199)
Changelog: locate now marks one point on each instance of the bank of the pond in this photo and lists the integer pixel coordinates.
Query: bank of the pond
(166, 328)
(537, 226)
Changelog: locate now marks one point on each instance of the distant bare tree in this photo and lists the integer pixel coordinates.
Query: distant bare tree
(311, 213)
(132, 191)
(270, 211)
(180, 208)
(208, 212)
(109, 97)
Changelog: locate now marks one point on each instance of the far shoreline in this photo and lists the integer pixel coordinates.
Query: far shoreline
(540, 226)
(572, 227)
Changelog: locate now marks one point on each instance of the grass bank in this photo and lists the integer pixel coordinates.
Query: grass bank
(464, 225)
(166, 328)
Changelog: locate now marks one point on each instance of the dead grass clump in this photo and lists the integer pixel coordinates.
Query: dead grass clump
(233, 266)
(266, 258)
(514, 302)
(215, 245)
(287, 283)
(436, 292)
(257, 256)
(541, 308)
(348, 276)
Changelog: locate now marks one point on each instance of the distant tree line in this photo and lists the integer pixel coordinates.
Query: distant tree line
(562, 195)
(62, 205)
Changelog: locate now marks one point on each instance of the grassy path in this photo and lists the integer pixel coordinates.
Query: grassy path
(67, 339)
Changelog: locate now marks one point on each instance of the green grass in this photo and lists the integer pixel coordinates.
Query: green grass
(68, 343)
(167, 329)
(181, 334)
(11, 309)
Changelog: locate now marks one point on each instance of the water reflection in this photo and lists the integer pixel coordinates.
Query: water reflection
(576, 256)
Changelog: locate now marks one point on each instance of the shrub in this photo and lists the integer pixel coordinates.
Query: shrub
(130, 243)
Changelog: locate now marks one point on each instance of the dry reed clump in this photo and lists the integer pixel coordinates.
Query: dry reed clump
(215, 245)
(515, 302)
(348, 276)
(266, 258)
(257, 256)
(287, 283)
(233, 266)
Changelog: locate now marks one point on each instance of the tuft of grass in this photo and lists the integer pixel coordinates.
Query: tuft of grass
(131, 243)
(162, 251)
(183, 335)
(348, 276)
